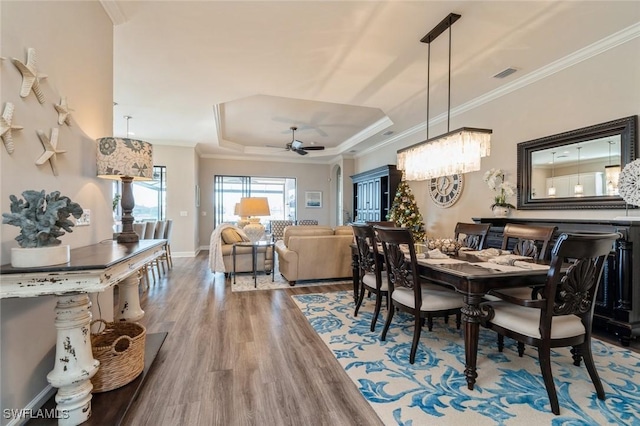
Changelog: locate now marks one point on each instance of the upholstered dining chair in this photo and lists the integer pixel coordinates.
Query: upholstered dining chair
(371, 275)
(150, 230)
(563, 316)
(307, 222)
(530, 241)
(167, 247)
(407, 291)
(472, 235)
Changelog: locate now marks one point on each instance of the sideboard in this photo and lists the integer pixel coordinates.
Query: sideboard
(617, 309)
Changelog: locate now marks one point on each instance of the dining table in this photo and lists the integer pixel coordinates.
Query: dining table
(473, 276)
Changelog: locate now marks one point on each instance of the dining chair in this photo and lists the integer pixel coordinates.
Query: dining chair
(387, 223)
(371, 275)
(167, 236)
(531, 241)
(564, 315)
(150, 230)
(408, 292)
(472, 235)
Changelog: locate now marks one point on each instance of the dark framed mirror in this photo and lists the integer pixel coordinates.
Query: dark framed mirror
(578, 169)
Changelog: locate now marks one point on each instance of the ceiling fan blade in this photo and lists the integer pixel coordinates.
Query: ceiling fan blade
(301, 151)
(313, 148)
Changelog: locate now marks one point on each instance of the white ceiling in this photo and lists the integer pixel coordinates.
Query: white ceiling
(231, 77)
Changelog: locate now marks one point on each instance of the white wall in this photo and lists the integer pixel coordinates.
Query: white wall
(73, 42)
(602, 88)
(182, 175)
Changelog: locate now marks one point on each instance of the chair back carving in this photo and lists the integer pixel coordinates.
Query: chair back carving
(474, 235)
(401, 271)
(532, 241)
(369, 260)
(573, 292)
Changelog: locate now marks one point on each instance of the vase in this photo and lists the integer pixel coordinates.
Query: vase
(39, 256)
(501, 211)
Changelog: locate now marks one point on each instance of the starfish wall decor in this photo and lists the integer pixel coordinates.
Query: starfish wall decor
(50, 149)
(6, 127)
(30, 75)
(64, 112)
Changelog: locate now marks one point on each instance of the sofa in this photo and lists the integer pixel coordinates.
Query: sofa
(223, 239)
(315, 252)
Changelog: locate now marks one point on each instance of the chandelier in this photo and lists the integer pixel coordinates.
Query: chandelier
(457, 151)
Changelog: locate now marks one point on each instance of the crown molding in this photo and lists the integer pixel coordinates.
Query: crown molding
(114, 11)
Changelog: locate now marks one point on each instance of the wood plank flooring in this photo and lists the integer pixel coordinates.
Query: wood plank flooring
(248, 358)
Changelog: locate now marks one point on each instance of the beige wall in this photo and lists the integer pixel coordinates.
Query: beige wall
(182, 169)
(309, 177)
(602, 88)
(73, 41)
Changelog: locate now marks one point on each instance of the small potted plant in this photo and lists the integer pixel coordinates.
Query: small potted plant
(42, 219)
(503, 189)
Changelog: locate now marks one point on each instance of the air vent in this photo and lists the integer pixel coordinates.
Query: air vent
(388, 133)
(505, 73)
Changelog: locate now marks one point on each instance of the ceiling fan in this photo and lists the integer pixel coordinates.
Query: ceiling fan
(296, 145)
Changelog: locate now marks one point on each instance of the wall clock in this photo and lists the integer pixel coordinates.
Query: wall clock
(445, 190)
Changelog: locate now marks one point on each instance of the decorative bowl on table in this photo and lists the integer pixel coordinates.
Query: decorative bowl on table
(445, 245)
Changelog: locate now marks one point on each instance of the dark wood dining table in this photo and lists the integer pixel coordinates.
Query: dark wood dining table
(474, 280)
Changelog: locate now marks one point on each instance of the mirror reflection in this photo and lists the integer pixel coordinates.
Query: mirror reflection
(585, 169)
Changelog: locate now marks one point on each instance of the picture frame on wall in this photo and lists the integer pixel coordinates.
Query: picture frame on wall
(313, 199)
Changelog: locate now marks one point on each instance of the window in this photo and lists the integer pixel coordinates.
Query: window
(228, 190)
(150, 196)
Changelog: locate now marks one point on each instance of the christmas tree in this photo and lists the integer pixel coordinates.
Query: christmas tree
(404, 212)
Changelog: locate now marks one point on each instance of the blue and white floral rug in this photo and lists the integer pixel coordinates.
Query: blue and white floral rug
(433, 391)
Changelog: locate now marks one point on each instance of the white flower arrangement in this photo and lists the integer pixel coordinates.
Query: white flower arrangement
(495, 180)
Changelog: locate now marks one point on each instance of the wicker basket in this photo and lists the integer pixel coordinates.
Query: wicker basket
(120, 350)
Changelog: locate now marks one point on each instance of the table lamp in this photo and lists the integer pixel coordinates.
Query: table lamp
(126, 160)
(252, 207)
(243, 219)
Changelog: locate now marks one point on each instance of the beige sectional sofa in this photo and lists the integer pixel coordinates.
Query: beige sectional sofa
(315, 252)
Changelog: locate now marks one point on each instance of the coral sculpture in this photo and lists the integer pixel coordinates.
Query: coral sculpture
(41, 218)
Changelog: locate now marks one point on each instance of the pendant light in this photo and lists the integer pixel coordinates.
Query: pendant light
(454, 152)
(551, 192)
(578, 190)
(612, 174)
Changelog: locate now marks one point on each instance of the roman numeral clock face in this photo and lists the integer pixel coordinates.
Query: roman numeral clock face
(445, 190)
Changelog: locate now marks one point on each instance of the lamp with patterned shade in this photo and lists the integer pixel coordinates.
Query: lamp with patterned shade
(252, 207)
(126, 160)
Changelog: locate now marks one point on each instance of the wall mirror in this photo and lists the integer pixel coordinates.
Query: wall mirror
(576, 169)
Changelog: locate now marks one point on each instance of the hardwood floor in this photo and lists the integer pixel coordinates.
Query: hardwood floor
(244, 358)
(247, 358)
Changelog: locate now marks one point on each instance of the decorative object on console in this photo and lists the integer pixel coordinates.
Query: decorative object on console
(127, 160)
(42, 219)
(404, 212)
(64, 112)
(503, 189)
(50, 149)
(454, 152)
(30, 75)
(629, 183)
(253, 207)
(6, 127)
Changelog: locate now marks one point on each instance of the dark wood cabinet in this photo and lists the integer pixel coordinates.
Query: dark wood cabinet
(617, 307)
(373, 193)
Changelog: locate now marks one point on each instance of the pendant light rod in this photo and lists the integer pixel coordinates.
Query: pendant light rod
(445, 24)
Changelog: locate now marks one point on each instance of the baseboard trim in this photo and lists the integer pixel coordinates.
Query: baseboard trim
(185, 253)
(36, 403)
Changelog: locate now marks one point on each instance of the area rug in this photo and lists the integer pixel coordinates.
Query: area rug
(433, 391)
(244, 282)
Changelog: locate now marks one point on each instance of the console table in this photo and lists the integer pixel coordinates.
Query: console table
(92, 269)
(617, 309)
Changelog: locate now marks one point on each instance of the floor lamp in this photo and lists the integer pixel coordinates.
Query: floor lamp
(126, 160)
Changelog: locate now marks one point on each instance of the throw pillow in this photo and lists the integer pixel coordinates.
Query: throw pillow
(231, 236)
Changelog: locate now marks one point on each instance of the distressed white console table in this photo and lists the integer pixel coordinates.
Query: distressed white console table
(92, 269)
